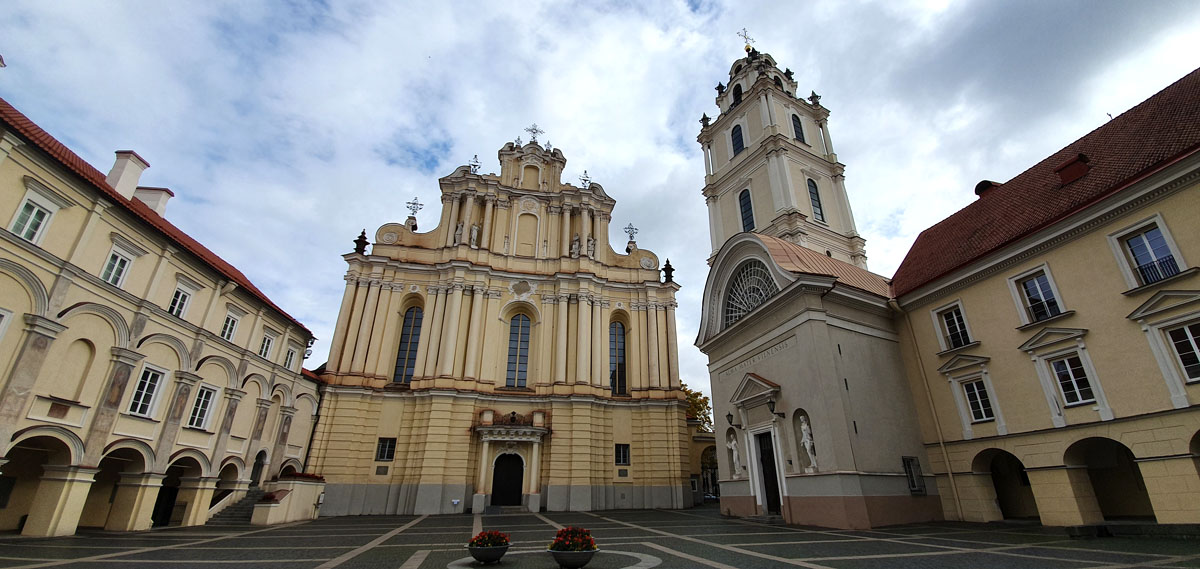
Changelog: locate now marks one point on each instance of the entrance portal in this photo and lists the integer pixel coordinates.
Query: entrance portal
(506, 480)
(256, 473)
(766, 454)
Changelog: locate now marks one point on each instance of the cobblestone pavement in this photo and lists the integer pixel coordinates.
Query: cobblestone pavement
(639, 539)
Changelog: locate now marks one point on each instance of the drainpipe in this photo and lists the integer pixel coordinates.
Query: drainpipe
(937, 423)
(316, 419)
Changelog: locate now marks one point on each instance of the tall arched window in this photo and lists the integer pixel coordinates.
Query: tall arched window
(815, 197)
(736, 136)
(778, 83)
(616, 358)
(406, 356)
(798, 128)
(747, 210)
(750, 286)
(518, 351)
(737, 94)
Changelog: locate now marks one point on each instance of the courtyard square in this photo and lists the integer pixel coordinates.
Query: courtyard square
(671, 539)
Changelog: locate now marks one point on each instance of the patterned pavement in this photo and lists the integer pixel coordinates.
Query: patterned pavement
(634, 539)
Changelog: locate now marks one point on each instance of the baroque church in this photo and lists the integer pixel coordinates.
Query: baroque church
(509, 357)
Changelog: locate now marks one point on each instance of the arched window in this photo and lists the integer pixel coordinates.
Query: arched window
(747, 210)
(518, 350)
(406, 356)
(750, 286)
(736, 136)
(778, 83)
(815, 198)
(616, 358)
(737, 95)
(798, 128)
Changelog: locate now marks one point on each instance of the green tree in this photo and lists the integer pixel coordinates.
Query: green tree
(699, 407)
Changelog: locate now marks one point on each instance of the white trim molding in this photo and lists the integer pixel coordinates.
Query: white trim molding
(1056, 343)
(1122, 256)
(1156, 331)
(1014, 287)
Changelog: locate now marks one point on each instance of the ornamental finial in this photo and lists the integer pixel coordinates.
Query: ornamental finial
(414, 206)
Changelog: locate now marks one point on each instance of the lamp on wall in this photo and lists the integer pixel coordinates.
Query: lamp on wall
(729, 418)
(771, 408)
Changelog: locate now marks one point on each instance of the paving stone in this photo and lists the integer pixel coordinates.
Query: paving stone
(952, 561)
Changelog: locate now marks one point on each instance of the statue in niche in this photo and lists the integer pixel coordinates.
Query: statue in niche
(591, 247)
(545, 248)
(458, 233)
(474, 235)
(505, 244)
(575, 247)
(806, 441)
(731, 444)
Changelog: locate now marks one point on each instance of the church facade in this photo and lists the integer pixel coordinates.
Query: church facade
(509, 357)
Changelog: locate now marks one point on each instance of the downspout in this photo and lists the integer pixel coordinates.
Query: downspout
(316, 419)
(937, 423)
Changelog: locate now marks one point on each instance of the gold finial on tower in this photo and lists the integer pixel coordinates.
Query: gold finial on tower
(746, 37)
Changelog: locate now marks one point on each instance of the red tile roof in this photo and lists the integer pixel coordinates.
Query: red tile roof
(797, 259)
(1144, 139)
(26, 128)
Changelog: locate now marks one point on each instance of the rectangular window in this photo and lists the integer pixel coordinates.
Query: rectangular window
(204, 399)
(954, 328)
(912, 471)
(385, 451)
(179, 303)
(290, 358)
(264, 349)
(1040, 303)
(229, 328)
(977, 399)
(622, 455)
(30, 221)
(814, 196)
(1072, 380)
(143, 396)
(1150, 255)
(1185, 340)
(115, 269)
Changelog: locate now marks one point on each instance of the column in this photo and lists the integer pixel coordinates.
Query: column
(431, 328)
(714, 223)
(279, 449)
(260, 423)
(447, 220)
(599, 343)
(39, 334)
(449, 349)
(643, 345)
(535, 483)
(585, 229)
(133, 503)
(764, 112)
(233, 398)
(479, 498)
(485, 240)
(363, 339)
(1174, 500)
(672, 347)
(1064, 496)
(474, 341)
(453, 225)
(829, 153)
(180, 405)
(708, 169)
(560, 339)
(196, 493)
(468, 215)
(381, 357)
(565, 221)
(58, 501)
(343, 321)
(583, 346)
(652, 345)
(121, 368)
(352, 326)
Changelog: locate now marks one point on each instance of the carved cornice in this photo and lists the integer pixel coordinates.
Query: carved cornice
(516, 433)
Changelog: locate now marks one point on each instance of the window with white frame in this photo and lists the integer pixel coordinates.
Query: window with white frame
(1186, 342)
(1039, 298)
(621, 455)
(978, 401)
(179, 302)
(290, 358)
(202, 407)
(385, 450)
(229, 327)
(953, 327)
(1072, 380)
(268, 341)
(142, 403)
(116, 267)
(37, 208)
(1146, 252)
(5, 318)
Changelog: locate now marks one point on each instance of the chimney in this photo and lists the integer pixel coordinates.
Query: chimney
(1073, 169)
(155, 198)
(125, 173)
(984, 186)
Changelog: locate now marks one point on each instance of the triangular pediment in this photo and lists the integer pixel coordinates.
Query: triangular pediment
(1164, 300)
(1050, 336)
(753, 386)
(961, 361)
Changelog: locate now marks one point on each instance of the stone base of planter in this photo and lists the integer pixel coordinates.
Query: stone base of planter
(572, 559)
(488, 555)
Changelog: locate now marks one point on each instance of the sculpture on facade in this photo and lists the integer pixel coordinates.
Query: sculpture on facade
(731, 444)
(474, 235)
(806, 441)
(591, 247)
(575, 247)
(458, 233)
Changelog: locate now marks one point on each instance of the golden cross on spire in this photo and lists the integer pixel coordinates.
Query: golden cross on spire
(746, 37)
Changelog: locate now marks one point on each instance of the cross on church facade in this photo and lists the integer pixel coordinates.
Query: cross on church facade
(631, 230)
(746, 37)
(414, 206)
(585, 180)
(474, 164)
(534, 131)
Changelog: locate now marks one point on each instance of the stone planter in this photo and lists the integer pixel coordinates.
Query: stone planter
(572, 559)
(488, 555)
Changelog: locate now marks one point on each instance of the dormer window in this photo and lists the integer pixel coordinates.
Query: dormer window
(737, 95)
(735, 137)
(799, 130)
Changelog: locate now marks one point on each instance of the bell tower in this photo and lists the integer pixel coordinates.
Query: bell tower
(770, 167)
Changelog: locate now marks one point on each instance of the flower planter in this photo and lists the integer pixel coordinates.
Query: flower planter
(572, 559)
(488, 555)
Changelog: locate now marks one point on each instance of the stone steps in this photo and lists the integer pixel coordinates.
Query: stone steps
(238, 514)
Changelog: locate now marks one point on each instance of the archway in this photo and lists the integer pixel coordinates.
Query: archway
(1014, 495)
(102, 496)
(22, 478)
(708, 472)
(507, 477)
(260, 460)
(227, 483)
(168, 510)
(1114, 476)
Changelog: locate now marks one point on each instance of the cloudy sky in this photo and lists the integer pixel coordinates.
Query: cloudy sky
(285, 128)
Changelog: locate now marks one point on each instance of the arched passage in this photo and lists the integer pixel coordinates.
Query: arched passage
(1114, 476)
(708, 472)
(256, 472)
(1014, 495)
(507, 478)
(34, 498)
(171, 507)
(103, 501)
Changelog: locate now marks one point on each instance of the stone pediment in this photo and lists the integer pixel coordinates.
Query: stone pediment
(962, 361)
(1164, 300)
(1050, 336)
(753, 386)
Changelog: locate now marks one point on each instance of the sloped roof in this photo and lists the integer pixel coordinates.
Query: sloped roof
(26, 128)
(802, 260)
(1142, 140)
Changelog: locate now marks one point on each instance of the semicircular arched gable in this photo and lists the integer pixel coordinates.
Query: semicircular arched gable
(181, 349)
(224, 363)
(114, 318)
(733, 254)
(34, 287)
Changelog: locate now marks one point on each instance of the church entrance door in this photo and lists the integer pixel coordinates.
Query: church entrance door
(506, 480)
(766, 453)
(256, 472)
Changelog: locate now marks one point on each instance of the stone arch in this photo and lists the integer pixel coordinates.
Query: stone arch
(119, 460)
(285, 394)
(72, 442)
(39, 299)
(410, 300)
(236, 462)
(181, 349)
(135, 445)
(200, 458)
(225, 365)
(738, 250)
(1006, 473)
(312, 399)
(264, 387)
(114, 318)
(292, 463)
(514, 307)
(1113, 476)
